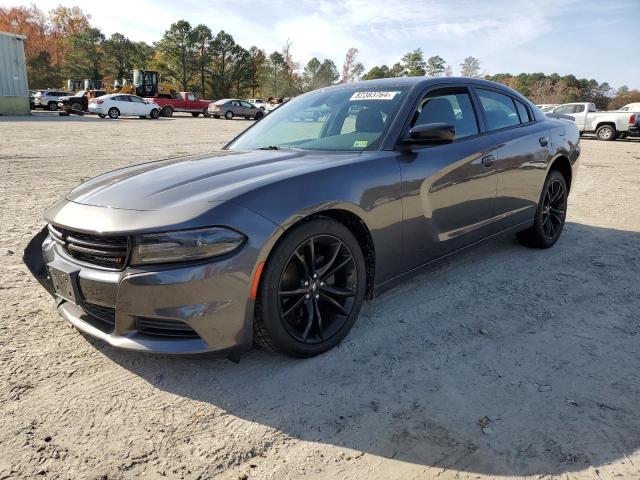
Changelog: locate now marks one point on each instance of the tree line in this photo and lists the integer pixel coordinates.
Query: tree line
(62, 44)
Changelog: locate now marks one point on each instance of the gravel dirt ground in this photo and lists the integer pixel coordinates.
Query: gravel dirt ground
(504, 362)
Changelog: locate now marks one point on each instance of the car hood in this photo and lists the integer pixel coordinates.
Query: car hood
(207, 178)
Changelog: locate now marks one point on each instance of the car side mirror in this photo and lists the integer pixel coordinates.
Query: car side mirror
(430, 134)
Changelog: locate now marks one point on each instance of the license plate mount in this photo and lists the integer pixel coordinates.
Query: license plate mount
(65, 281)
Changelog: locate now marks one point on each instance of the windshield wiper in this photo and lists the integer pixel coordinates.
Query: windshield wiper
(270, 147)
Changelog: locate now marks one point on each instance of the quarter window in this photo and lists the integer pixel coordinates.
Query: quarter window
(451, 106)
(499, 109)
(523, 112)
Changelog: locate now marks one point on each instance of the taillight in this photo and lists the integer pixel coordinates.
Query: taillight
(99, 102)
(632, 119)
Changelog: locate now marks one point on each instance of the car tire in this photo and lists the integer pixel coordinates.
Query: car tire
(258, 115)
(76, 106)
(52, 106)
(229, 115)
(155, 114)
(606, 133)
(113, 113)
(205, 113)
(102, 115)
(550, 214)
(167, 111)
(195, 114)
(330, 300)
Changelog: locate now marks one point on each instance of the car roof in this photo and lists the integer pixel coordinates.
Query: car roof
(423, 82)
(225, 100)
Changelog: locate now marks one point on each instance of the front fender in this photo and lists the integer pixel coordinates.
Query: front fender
(369, 188)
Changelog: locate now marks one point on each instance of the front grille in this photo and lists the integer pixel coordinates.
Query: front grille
(104, 251)
(165, 328)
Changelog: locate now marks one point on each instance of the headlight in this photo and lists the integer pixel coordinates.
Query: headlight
(185, 245)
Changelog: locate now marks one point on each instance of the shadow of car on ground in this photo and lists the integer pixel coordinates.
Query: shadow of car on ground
(503, 361)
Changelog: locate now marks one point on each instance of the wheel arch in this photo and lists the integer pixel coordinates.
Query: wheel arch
(562, 165)
(352, 221)
(611, 123)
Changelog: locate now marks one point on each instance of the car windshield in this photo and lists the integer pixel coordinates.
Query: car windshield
(331, 119)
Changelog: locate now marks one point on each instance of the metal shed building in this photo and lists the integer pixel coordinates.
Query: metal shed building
(14, 92)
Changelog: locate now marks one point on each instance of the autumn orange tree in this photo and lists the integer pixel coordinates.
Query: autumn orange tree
(47, 35)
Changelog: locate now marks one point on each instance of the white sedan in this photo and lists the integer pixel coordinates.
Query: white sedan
(119, 104)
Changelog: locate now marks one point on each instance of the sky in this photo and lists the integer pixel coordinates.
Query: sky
(588, 38)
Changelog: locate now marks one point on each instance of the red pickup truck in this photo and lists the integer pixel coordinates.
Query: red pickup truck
(182, 102)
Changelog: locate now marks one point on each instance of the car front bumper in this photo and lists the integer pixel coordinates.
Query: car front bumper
(172, 308)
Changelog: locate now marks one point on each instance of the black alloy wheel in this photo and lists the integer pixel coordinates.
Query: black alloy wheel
(311, 290)
(554, 209)
(550, 214)
(317, 289)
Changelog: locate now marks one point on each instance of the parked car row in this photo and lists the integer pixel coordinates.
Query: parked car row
(124, 104)
(607, 125)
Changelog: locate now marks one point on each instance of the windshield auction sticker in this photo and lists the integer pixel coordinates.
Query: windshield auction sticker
(373, 96)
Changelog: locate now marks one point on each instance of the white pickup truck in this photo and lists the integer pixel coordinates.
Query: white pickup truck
(606, 125)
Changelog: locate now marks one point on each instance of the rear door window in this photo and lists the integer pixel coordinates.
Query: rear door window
(500, 110)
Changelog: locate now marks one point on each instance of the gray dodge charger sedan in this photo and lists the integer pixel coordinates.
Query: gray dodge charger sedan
(279, 237)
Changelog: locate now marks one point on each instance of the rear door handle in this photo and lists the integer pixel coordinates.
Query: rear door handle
(488, 160)
(544, 141)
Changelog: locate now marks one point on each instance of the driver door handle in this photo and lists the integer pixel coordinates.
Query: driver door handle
(488, 160)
